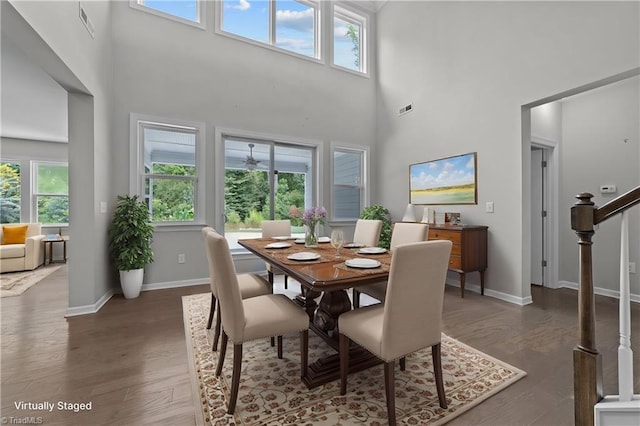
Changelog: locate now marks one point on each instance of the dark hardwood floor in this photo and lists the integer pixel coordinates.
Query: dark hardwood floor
(130, 360)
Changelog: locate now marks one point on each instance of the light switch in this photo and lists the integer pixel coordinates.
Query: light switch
(103, 206)
(488, 207)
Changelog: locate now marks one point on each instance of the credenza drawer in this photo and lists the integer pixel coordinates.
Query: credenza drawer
(456, 250)
(439, 234)
(455, 262)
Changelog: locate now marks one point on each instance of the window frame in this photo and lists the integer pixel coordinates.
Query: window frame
(138, 175)
(34, 194)
(318, 33)
(201, 13)
(357, 17)
(364, 152)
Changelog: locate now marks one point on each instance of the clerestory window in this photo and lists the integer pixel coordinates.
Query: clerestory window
(349, 39)
(290, 25)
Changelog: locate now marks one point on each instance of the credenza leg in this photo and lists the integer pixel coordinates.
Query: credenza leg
(482, 282)
(461, 284)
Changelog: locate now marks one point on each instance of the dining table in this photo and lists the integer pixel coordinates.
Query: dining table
(325, 275)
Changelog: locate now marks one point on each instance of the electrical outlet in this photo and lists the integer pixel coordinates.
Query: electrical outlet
(182, 258)
(488, 207)
(632, 267)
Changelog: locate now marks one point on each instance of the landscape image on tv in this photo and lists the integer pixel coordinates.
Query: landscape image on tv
(450, 180)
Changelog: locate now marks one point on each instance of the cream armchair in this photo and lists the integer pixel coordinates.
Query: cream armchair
(22, 257)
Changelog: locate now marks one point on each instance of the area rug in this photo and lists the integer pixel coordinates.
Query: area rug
(271, 392)
(16, 283)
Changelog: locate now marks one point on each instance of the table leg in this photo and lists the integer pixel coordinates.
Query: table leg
(332, 304)
(65, 251)
(306, 300)
(50, 253)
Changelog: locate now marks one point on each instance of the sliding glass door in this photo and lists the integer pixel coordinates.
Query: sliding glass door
(265, 180)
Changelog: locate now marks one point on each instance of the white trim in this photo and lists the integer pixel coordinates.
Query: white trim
(347, 12)
(219, 132)
(201, 15)
(318, 58)
(90, 309)
(552, 243)
(136, 154)
(615, 294)
(364, 150)
(520, 301)
(174, 284)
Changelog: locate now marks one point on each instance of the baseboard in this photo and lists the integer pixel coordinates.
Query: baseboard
(89, 309)
(520, 301)
(601, 291)
(174, 284)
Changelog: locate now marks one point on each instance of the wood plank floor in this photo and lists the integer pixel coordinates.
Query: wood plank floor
(130, 360)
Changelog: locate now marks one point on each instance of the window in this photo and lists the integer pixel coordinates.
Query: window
(286, 24)
(263, 179)
(186, 11)
(50, 193)
(349, 190)
(169, 174)
(10, 192)
(349, 36)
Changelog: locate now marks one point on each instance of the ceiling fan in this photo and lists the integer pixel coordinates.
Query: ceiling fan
(251, 162)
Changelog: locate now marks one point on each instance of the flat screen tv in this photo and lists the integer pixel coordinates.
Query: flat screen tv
(450, 180)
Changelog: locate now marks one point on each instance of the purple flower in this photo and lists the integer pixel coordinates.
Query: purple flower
(314, 215)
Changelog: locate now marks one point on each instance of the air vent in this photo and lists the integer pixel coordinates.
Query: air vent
(86, 21)
(405, 109)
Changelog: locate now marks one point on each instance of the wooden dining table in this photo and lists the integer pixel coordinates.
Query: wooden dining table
(328, 277)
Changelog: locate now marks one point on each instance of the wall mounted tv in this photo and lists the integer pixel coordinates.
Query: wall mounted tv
(450, 180)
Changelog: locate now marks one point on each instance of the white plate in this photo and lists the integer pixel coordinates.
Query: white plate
(372, 250)
(282, 238)
(299, 241)
(304, 255)
(277, 245)
(324, 240)
(362, 263)
(353, 245)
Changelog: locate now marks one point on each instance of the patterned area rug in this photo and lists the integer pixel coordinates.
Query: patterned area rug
(271, 392)
(16, 283)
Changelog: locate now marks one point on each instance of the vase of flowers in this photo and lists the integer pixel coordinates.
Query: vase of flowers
(312, 217)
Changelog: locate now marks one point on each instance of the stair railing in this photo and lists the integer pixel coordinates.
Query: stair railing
(587, 362)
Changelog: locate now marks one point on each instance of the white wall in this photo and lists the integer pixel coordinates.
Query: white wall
(53, 37)
(594, 153)
(168, 69)
(469, 67)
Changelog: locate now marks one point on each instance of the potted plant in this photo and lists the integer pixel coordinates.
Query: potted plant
(130, 236)
(377, 212)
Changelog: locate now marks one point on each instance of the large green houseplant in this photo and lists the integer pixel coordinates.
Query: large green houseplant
(130, 236)
(377, 212)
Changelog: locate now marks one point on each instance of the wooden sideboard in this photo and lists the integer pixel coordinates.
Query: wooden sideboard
(469, 250)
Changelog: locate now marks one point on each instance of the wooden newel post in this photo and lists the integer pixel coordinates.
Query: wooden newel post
(587, 362)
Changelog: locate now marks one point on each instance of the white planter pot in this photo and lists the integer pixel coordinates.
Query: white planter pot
(131, 282)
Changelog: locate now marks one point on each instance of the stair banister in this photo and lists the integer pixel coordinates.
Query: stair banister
(587, 362)
(625, 354)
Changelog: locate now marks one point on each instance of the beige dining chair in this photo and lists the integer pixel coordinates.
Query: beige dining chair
(409, 320)
(276, 228)
(402, 233)
(250, 285)
(367, 232)
(244, 320)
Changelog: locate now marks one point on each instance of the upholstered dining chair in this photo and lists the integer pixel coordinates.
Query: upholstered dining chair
(402, 233)
(276, 228)
(409, 320)
(250, 285)
(367, 232)
(244, 320)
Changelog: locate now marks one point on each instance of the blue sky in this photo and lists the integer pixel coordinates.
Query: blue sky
(452, 171)
(250, 19)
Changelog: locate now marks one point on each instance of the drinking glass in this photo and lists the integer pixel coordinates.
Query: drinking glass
(337, 240)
